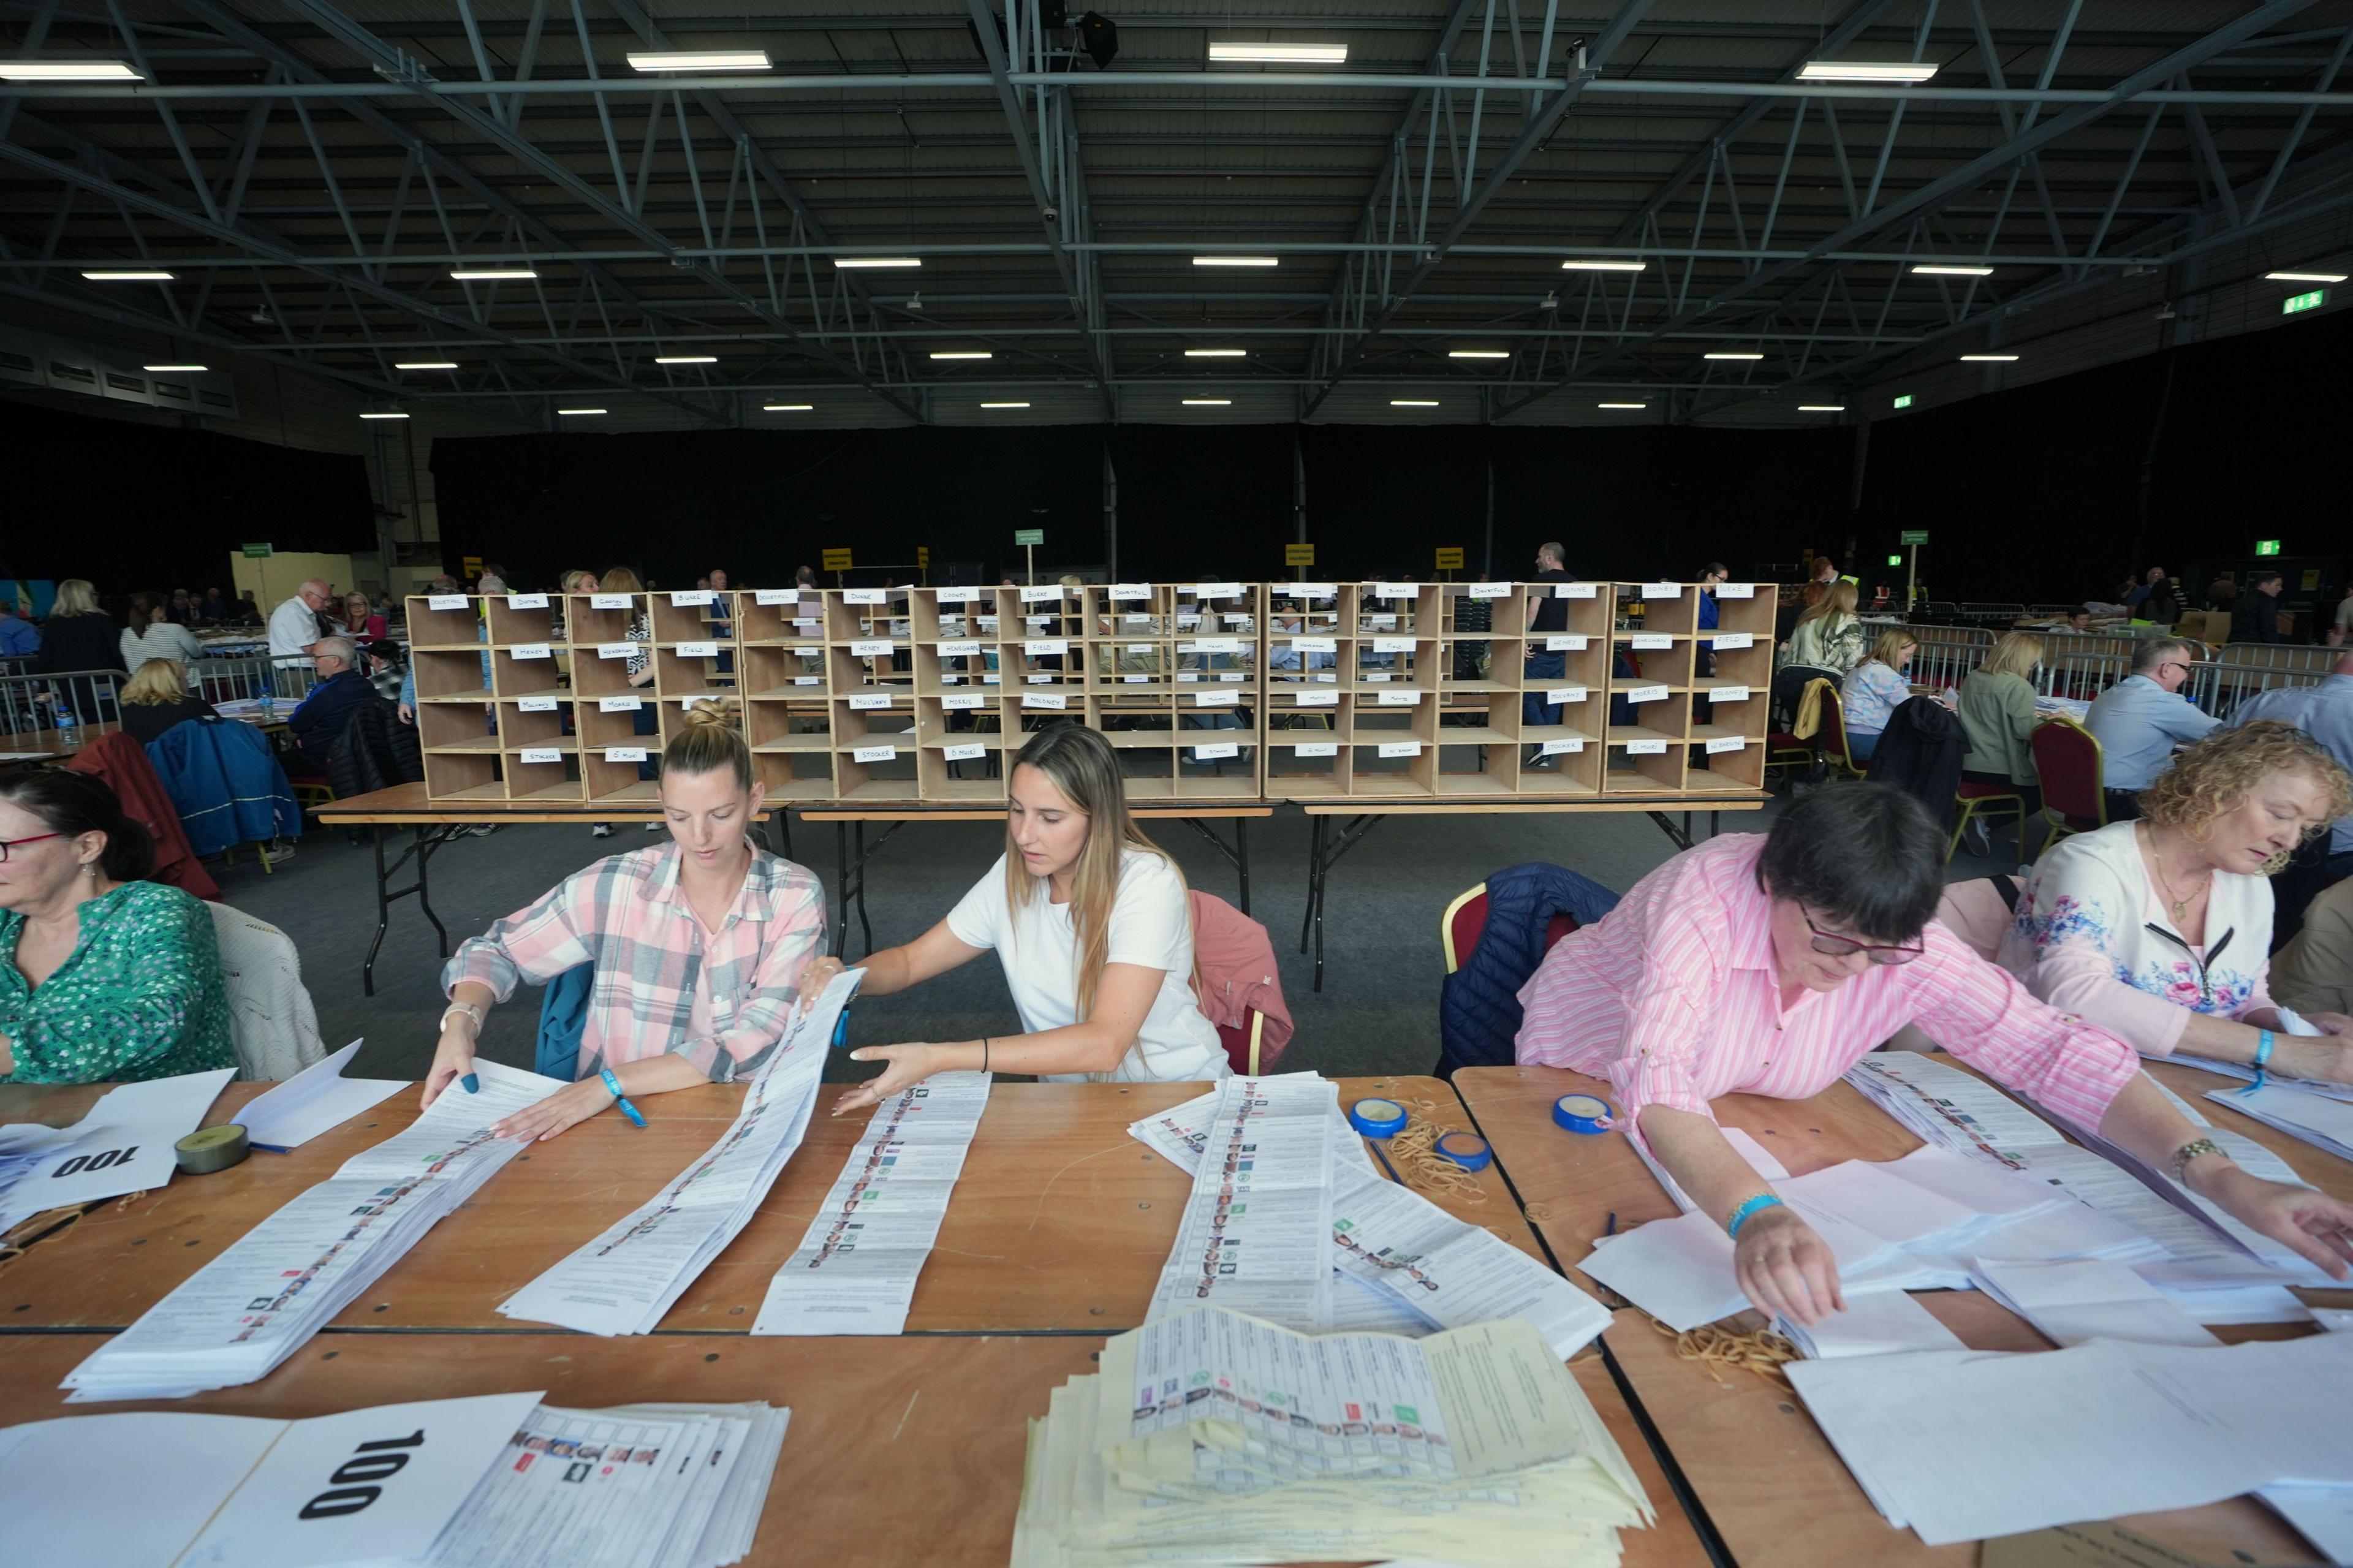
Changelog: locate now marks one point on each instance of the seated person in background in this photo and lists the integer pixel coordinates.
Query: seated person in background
(1828, 636)
(1997, 714)
(181, 611)
(2314, 973)
(319, 723)
(156, 697)
(1090, 920)
(2141, 719)
(1876, 688)
(19, 637)
(2160, 930)
(385, 669)
(103, 977)
(1769, 964)
(700, 943)
(152, 634)
(212, 609)
(360, 621)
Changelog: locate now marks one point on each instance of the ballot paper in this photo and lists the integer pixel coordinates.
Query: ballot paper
(1257, 1228)
(270, 1291)
(1888, 1322)
(2323, 1122)
(450, 1483)
(855, 1271)
(1962, 1446)
(1210, 1437)
(624, 1280)
(123, 1145)
(2322, 1515)
(317, 1099)
(2073, 1302)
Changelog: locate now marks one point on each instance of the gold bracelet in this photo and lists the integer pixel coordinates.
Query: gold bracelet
(2188, 1152)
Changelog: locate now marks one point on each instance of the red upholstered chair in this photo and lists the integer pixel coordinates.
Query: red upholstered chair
(1459, 927)
(2068, 757)
(1988, 801)
(1831, 736)
(1241, 1042)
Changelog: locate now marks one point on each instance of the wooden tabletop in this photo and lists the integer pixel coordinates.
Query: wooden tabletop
(1061, 1221)
(900, 1450)
(406, 805)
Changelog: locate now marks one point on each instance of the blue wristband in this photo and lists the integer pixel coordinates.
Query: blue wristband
(1742, 1214)
(635, 1117)
(2266, 1041)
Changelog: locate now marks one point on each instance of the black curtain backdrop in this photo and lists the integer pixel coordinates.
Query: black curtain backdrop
(133, 506)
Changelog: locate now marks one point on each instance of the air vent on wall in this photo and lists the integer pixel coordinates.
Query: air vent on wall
(31, 359)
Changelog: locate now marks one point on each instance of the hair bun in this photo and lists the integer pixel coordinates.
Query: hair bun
(722, 711)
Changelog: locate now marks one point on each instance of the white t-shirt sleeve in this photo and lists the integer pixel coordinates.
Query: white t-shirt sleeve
(1150, 925)
(978, 918)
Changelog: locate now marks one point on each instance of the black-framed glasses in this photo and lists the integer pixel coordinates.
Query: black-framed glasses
(1831, 944)
(9, 844)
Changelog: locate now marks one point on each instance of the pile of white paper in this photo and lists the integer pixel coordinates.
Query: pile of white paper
(2075, 1302)
(448, 1483)
(855, 1271)
(317, 1099)
(2322, 1120)
(1210, 1437)
(2245, 1073)
(255, 1304)
(1965, 1444)
(622, 1282)
(1257, 1230)
(123, 1146)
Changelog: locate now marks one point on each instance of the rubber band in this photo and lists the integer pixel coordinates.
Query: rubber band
(1760, 1350)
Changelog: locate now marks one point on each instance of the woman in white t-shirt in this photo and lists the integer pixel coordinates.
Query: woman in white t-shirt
(1089, 918)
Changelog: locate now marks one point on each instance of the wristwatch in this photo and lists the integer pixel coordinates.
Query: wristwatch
(2190, 1151)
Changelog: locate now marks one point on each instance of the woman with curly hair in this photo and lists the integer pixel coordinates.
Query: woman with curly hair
(2159, 931)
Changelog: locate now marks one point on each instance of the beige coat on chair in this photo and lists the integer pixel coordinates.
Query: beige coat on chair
(270, 1015)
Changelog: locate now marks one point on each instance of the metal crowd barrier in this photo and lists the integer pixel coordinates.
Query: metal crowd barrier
(248, 676)
(2240, 670)
(29, 703)
(2081, 665)
(1946, 653)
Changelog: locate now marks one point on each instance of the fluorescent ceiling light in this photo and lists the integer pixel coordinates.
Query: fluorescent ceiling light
(1478, 353)
(1005, 405)
(686, 359)
(68, 70)
(491, 274)
(2306, 277)
(962, 354)
(1621, 405)
(1867, 70)
(700, 60)
(425, 364)
(1987, 359)
(1215, 354)
(1822, 407)
(1209, 403)
(1236, 260)
(1413, 403)
(1280, 54)
(383, 415)
(1573, 265)
(581, 411)
(153, 368)
(129, 275)
(786, 407)
(1938, 269)
(878, 262)
(1728, 353)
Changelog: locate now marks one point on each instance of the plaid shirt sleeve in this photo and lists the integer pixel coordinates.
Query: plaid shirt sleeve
(537, 942)
(795, 933)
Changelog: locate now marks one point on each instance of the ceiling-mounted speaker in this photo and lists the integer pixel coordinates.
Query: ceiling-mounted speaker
(1098, 36)
(1053, 13)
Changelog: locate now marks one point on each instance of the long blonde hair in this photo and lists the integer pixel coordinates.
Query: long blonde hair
(1083, 766)
(75, 597)
(1838, 599)
(2013, 653)
(621, 580)
(158, 680)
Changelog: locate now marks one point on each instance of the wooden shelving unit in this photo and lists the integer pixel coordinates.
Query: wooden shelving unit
(871, 689)
(1733, 685)
(782, 666)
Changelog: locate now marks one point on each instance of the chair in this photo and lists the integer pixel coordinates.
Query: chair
(311, 793)
(1459, 927)
(271, 1018)
(1832, 734)
(1992, 800)
(1242, 1041)
(2068, 758)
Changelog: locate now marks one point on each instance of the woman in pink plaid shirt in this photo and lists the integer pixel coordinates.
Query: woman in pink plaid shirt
(698, 945)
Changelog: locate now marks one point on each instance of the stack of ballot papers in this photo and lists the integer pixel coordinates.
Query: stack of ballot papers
(1966, 1445)
(1256, 1232)
(317, 1099)
(2075, 1302)
(123, 1146)
(2325, 1121)
(624, 1280)
(1210, 1437)
(254, 1305)
(448, 1483)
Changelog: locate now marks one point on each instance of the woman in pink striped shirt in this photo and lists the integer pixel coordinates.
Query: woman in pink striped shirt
(1768, 965)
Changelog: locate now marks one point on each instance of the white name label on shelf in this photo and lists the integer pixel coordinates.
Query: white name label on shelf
(1039, 620)
(696, 650)
(608, 601)
(530, 650)
(625, 754)
(1040, 593)
(1327, 676)
(1724, 640)
(1319, 700)
(1400, 748)
(808, 680)
(988, 679)
(1216, 698)
(1398, 698)
(616, 650)
(1727, 743)
(1566, 644)
(1315, 645)
(1654, 640)
(988, 623)
(1574, 590)
(1380, 622)
(966, 596)
(964, 751)
(684, 597)
(1188, 675)
(1392, 645)
(1142, 647)
(864, 595)
(1643, 693)
(1735, 590)
(1560, 694)
(1048, 700)
(1135, 620)
(622, 704)
(1728, 694)
(954, 700)
(1373, 674)
(871, 647)
(537, 704)
(445, 601)
(1037, 646)
(1217, 590)
(951, 680)
(1212, 645)
(1663, 590)
(873, 754)
(1490, 590)
(1235, 676)
(867, 702)
(960, 650)
(541, 754)
(1645, 748)
(1186, 619)
(807, 650)
(1215, 751)
(1307, 590)
(775, 595)
(526, 600)
(1130, 591)
(1555, 748)
(1137, 680)
(1396, 590)
(1315, 748)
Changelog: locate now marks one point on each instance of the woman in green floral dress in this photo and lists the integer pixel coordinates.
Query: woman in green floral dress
(103, 977)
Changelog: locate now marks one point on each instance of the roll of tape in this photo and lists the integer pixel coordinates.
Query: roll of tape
(1467, 1150)
(1377, 1118)
(213, 1149)
(1581, 1113)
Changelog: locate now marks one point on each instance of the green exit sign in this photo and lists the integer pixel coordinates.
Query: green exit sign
(1905, 401)
(2310, 300)
(2267, 547)
(1914, 536)
(1895, 560)
(1028, 536)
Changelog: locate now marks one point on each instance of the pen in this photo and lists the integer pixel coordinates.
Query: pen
(1612, 1229)
(1382, 1156)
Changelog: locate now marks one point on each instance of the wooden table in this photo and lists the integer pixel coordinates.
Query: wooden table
(900, 1450)
(1767, 1480)
(1060, 1222)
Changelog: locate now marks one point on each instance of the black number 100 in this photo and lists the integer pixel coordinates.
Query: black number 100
(351, 1491)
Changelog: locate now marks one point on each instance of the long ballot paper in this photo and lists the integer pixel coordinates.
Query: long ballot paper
(1255, 1233)
(855, 1271)
(123, 1146)
(624, 1280)
(1210, 1437)
(255, 1304)
(2322, 1120)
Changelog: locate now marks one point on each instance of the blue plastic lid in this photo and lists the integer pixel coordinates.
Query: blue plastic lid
(1377, 1118)
(1467, 1150)
(841, 1030)
(1581, 1112)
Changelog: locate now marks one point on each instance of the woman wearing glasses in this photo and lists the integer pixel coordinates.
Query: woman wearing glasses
(2160, 930)
(1770, 965)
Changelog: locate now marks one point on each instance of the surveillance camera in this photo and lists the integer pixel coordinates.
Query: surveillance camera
(1052, 213)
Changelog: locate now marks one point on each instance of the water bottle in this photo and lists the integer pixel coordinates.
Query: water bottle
(68, 736)
(269, 707)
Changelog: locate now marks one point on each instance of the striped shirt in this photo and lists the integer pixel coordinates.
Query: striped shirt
(1673, 997)
(664, 982)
